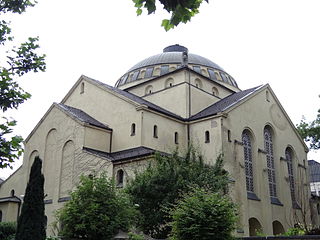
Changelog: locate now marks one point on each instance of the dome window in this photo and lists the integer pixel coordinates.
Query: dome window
(149, 72)
(149, 90)
(212, 74)
(197, 69)
(135, 75)
(164, 69)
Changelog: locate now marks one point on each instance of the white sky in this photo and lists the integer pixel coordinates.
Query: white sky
(255, 41)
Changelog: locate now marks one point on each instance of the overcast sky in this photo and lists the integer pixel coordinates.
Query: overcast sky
(255, 41)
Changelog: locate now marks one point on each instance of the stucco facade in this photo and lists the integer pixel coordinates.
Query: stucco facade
(164, 102)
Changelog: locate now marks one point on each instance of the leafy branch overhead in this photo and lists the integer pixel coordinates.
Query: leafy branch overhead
(181, 10)
(19, 61)
(310, 132)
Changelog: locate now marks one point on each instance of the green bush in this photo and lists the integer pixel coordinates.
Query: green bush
(96, 210)
(204, 215)
(7, 230)
(165, 180)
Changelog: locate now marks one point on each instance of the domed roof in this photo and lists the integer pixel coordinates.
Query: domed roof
(173, 54)
(174, 57)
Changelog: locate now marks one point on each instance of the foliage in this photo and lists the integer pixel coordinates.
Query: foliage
(310, 132)
(157, 188)
(19, 61)
(32, 220)
(204, 215)
(181, 10)
(295, 231)
(7, 230)
(96, 210)
(134, 236)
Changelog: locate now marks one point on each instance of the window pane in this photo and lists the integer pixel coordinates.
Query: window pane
(212, 74)
(197, 69)
(149, 72)
(164, 69)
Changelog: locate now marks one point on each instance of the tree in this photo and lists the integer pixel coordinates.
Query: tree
(96, 210)
(310, 132)
(181, 10)
(32, 221)
(19, 61)
(157, 188)
(204, 215)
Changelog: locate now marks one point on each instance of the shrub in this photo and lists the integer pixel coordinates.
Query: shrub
(162, 183)
(7, 230)
(204, 215)
(96, 210)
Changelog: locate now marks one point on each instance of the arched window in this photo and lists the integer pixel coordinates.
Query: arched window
(254, 227)
(207, 137)
(268, 146)
(155, 131)
(120, 176)
(0, 216)
(82, 88)
(133, 129)
(289, 154)
(176, 138)
(12, 193)
(169, 83)
(247, 149)
(148, 89)
(215, 91)
(198, 83)
(277, 228)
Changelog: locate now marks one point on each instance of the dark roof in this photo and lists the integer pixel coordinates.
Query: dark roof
(174, 57)
(314, 171)
(1, 181)
(10, 199)
(124, 154)
(223, 104)
(213, 109)
(139, 100)
(82, 116)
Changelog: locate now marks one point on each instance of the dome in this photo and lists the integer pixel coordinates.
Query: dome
(171, 59)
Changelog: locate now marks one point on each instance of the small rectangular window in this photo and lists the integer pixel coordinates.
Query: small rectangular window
(224, 77)
(212, 74)
(149, 72)
(164, 69)
(197, 69)
(135, 75)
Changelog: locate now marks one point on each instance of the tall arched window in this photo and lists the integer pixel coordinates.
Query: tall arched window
(289, 154)
(247, 148)
(82, 88)
(133, 129)
(207, 137)
(0, 216)
(155, 131)
(268, 146)
(120, 176)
